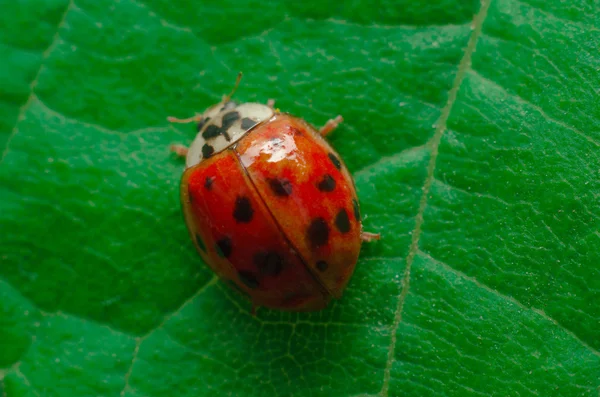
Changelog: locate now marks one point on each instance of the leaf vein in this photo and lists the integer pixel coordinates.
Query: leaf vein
(105, 130)
(512, 300)
(463, 66)
(199, 354)
(394, 159)
(164, 21)
(45, 55)
(141, 339)
(551, 15)
(538, 109)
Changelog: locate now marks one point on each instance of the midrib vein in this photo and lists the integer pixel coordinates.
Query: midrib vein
(463, 67)
(31, 97)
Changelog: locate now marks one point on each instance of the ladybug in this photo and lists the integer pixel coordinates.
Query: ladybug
(270, 205)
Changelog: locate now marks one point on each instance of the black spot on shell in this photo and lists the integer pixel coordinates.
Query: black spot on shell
(318, 233)
(322, 266)
(249, 279)
(200, 243)
(327, 184)
(190, 193)
(243, 211)
(211, 131)
(356, 209)
(248, 123)
(223, 247)
(335, 161)
(208, 182)
(268, 263)
(207, 150)
(281, 187)
(342, 222)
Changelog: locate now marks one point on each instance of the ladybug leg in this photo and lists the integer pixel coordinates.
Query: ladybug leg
(179, 150)
(331, 125)
(271, 103)
(195, 119)
(368, 237)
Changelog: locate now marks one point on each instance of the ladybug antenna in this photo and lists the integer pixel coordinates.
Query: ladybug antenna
(235, 87)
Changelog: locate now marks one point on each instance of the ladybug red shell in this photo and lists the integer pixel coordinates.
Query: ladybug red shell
(270, 205)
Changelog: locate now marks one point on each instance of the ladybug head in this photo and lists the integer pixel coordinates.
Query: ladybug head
(214, 110)
(225, 104)
(224, 124)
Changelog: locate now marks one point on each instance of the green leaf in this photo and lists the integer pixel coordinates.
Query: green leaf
(473, 132)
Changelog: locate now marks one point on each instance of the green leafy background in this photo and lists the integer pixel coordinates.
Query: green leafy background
(473, 131)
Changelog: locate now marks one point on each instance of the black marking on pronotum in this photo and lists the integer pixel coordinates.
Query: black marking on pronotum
(327, 184)
(335, 160)
(211, 131)
(318, 233)
(248, 123)
(322, 266)
(281, 187)
(223, 247)
(248, 278)
(202, 123)
(227, 120)
(356, 209)
(200, 243)
(208, 182)
(342, 222)
(207, 150)
(230, 118)
(243, 211)
(268, 263)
